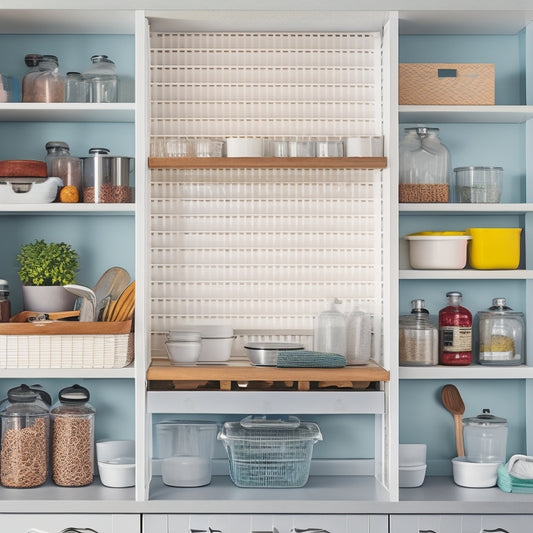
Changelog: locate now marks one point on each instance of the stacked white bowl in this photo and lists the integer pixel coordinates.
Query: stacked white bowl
(412, 465)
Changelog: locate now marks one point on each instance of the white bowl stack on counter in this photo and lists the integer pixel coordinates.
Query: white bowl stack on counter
(412, 462)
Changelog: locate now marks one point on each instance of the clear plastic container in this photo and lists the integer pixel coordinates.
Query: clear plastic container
(477, 185)
(424, 167)
(501, 335)
(485, 438)
(60, 163)
(73, 438)
(75, 88)
(418, 337)
(330, 330)
(102, 80)
(358, 338)
(25, 431)
(455, 332)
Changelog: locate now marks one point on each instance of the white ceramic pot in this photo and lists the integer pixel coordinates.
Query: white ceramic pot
(47, 299)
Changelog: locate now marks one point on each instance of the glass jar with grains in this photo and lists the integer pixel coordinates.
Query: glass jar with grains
(419, 338)
(73, 438)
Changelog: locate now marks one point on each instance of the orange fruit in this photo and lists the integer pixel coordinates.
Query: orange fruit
(69, 194)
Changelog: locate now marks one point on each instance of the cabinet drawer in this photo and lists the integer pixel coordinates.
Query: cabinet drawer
(460, 523)
(54, 523)
(159, 523)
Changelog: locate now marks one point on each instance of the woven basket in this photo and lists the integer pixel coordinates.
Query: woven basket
(66, 345)
(446, 84)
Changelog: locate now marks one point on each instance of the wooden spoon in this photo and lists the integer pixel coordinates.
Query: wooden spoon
(451, 399)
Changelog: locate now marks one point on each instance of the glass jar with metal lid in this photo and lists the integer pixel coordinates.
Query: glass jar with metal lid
(418, 337)
(485, 438)
(424, 167)
(25, 429)
(501, 335)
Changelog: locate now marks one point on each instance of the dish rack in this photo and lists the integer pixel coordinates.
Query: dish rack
(56, 344)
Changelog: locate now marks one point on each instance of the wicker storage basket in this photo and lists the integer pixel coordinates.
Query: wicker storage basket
(446, 84)
(66, 344)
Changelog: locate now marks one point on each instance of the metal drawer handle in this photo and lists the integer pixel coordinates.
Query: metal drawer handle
(78, 530)
(497, 530)
(309, 530)
(426, 531)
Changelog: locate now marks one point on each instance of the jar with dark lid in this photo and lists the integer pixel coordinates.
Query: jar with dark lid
(60, 163)
(5, 304)
(25, 430)
(32, 62)
(101, 80)
(48, 86)
(418, 337)
(73, 438)
(501, 335)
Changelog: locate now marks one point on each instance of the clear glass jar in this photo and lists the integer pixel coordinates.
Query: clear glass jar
(330, 330)
(25, 431)
(73, 438)
(60, 163)
(75, 88)
(32, 62)
(501, 335)
(485, 438)
(48, 85)
(5, 304)
(424, 167)
(455, 332)
(418, 337)
(102, 80)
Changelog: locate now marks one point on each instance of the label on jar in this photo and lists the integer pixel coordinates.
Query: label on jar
(456, 339)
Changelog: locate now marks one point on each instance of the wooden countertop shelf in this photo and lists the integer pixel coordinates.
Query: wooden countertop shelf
(243, 375)
(267, 162)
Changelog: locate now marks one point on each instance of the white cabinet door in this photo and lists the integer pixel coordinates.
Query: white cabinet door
(461, 524)
(54, 523)
(260, 523)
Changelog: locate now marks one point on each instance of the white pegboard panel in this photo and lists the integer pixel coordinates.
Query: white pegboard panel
(264, 249)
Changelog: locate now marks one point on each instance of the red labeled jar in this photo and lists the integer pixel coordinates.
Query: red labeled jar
(455, 332)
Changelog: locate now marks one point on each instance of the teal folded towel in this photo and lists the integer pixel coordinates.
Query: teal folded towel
(309, 359)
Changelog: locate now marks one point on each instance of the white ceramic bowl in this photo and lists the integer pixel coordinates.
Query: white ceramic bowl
(412, 454)
(412, 476)
(184, 352)
(475, 475)
(436, 251)
(116, 462)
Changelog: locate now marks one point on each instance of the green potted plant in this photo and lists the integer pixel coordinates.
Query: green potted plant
(44, 269)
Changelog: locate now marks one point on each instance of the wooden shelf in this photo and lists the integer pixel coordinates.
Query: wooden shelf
(244, 372)
(268, 162)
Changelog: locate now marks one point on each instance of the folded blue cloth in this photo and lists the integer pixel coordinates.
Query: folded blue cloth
(309, 359)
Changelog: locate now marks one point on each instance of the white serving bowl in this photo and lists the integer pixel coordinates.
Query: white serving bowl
(438, 250)
(412, 476)
(184, 348)
(475, 475)
(412, 454)
(116, 462)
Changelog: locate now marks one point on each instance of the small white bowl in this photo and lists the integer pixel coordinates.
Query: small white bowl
(474, 475)
(412, 454)
(412, 476)
(116, 462)
(186, 350)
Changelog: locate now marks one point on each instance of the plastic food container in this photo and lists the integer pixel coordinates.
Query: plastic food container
(183, 347)
(433, 250)
(412, 454)
(474, 475)
(116, 462)
(412, 476)
(476, 185)
(494, 248)
(215, 341)
(269, 453)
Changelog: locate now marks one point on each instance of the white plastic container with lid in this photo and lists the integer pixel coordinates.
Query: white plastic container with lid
(183, 347)
(330, 330)
(438, 250)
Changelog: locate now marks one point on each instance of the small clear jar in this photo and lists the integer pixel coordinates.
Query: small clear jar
(73, 438)
(75, 88)
(418, 337)
(25, 432)
(501, 335)
(102, 80)
(60, 163)
(424, 167)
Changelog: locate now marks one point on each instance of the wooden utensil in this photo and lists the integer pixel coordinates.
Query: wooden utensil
(124, 304)
(109, 287)
(451, 399)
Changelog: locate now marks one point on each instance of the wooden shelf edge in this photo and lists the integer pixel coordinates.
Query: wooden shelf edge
(162, 370)
(366, 163)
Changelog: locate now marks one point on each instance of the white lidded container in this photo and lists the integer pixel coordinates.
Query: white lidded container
(438, 250)
(216, 341)
(183, 347)
(485, 438)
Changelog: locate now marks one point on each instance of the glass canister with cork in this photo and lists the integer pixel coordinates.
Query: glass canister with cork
(424, 167)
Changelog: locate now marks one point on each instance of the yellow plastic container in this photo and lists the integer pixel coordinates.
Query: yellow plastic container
(494, 248)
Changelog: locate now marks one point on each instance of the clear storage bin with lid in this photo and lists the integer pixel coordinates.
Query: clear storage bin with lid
(418, 337)
(424, 167)
(485, 438)
(73, 438)
(25, 432)
(102, 80)
(60, 163)
(501, 335)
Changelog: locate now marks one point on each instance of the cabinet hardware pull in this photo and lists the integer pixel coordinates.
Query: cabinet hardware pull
(497, 530)
(309, 530)
(426, 531)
